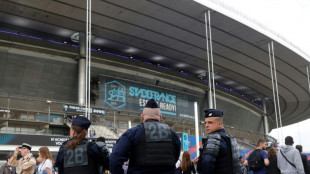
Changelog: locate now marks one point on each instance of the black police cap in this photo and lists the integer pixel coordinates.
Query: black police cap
(213, 113)
(151, 104)
(81, 121)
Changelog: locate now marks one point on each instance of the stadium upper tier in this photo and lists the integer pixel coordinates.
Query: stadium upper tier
(172, 35)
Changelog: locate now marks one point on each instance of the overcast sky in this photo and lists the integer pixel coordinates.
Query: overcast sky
(289, 18)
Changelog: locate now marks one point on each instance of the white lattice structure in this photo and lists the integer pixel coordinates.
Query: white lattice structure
(101, 130)
(104, 131)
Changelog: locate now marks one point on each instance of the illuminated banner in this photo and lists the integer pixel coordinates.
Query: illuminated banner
(131, 96)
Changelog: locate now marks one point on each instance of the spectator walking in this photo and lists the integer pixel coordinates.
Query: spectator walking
(273, 165)
(243, 168)
(105, 155)
(7, 168)
(289, 159)
(304, 159)
(46, 165)
(187, 166)
(258, 159)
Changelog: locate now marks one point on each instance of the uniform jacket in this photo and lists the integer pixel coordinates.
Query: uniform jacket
(26, 164)
(124, 146)
(93, 153)
(294, 157)
(5, 169)
(209, 161)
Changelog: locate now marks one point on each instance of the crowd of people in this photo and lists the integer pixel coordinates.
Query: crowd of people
(284, 160)
(154, 148)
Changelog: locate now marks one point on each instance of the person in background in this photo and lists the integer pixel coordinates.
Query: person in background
(273, 164)
(105, 155)
(304, 159)
(258, 152)
(7, 168)
(243, 168)
(187, 165)
(47, 162)
(27, 163)
(289, 159)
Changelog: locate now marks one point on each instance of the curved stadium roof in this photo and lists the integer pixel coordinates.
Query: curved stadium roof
(172, 33)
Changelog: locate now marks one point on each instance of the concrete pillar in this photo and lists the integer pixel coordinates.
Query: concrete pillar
(82, 62)
(266, 125)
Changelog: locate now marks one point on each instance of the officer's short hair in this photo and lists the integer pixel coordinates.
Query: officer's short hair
(219, 119)
(260, 141)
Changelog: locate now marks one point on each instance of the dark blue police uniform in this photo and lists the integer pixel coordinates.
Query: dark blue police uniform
(126, 144)
(151, 147)
(93, 158)
(209, 162)
(220, 154)
(83, 159)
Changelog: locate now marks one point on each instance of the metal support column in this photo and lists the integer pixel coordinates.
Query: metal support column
(308, 75)
(277, 90)
(273, 90)
(82, 65)
(210, 98)
(265, 117)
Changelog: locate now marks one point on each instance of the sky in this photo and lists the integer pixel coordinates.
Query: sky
(290, 19)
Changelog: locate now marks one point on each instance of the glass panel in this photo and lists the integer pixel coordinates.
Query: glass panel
(41, 117)
(57, 119)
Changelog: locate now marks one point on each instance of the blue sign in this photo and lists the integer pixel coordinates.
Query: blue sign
(185, 141)
(115, 94)
(82, 109)
(132, 97)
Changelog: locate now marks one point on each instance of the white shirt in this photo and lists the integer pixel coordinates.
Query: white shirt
(43, 165)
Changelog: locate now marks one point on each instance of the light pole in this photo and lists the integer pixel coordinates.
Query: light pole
(49, 114)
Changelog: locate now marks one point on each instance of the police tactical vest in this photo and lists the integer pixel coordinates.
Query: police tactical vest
(228, 163)
(77, 160)
(155, 148)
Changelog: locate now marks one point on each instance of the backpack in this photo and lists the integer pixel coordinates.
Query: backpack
(105, 155)
(255, 160)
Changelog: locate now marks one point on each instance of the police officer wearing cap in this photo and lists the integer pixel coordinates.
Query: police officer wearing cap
(219, 153)
(151, 147)
(78, 155)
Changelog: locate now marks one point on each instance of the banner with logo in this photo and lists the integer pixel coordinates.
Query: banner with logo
(132, 96)
(81, 109)
(40, 140)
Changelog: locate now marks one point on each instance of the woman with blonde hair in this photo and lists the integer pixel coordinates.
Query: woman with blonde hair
(187, 165)
(47, 162)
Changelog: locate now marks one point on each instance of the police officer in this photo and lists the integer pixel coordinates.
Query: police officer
(151, 147)
(78, 155)
(220, 153)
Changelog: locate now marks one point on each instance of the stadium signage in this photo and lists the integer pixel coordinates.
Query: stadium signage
(132, 96)
(40, 140)
(82, 109)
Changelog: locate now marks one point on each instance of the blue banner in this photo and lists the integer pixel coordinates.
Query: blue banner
(185, 141)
